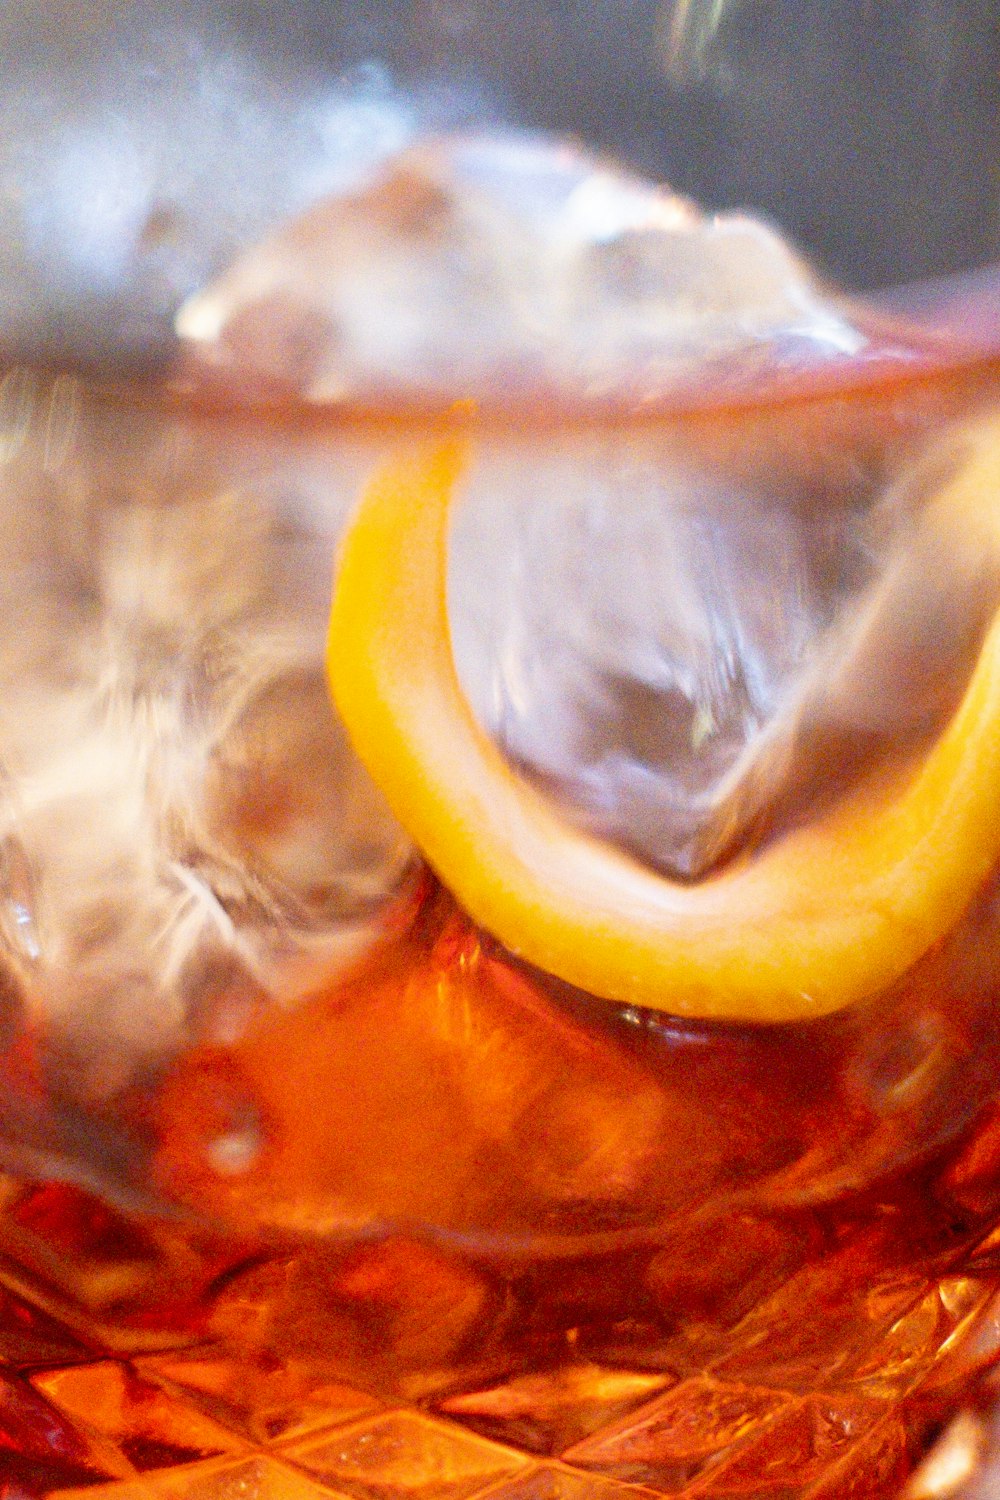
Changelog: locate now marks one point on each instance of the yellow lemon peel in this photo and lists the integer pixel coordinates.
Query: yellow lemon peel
(824, 916)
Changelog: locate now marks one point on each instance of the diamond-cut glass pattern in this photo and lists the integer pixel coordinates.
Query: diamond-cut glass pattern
(551, 1481)
(549, 1412)
(31, 1337)
(668, 1445)
(153, 1429)
(801, 1445)
(407, 1454)
(829, 1388)
(264, 1401)
(257, 1478)
(34, 1429)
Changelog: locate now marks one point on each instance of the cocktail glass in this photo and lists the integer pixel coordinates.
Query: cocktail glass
(315, 1185)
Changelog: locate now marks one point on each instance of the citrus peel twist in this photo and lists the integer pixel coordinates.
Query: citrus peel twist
(823, 916)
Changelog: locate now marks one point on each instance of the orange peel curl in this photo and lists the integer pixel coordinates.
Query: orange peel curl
(824, 916)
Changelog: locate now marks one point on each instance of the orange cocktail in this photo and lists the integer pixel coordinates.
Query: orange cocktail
(521, 1021)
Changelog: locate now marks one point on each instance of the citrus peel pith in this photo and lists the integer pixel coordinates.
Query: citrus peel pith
(826, 915)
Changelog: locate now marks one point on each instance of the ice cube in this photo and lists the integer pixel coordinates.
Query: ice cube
(491, 266)
(652, 617)
(185, 834)
(692, 651)
(653, 620)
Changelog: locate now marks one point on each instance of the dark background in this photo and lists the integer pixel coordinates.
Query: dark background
(141, 145)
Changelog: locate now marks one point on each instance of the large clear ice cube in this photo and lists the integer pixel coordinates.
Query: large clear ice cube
(492, 267)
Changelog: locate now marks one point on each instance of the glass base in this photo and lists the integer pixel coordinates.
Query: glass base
(379, 1373)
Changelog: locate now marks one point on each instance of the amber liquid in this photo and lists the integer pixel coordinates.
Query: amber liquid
(782, 1278)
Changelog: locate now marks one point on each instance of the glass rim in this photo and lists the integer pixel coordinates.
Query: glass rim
(962, 359)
